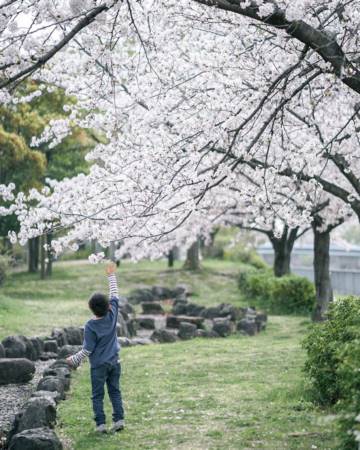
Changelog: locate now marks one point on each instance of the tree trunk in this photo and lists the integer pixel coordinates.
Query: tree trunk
(42, 258)
(33, 255)
(324, 292)
(283, 247)
(49, 256)
(193, 257)
(171, 258)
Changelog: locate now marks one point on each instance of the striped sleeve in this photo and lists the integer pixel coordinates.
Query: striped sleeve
(113, 287)
(77, 359)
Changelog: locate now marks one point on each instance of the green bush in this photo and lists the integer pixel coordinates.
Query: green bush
(246, 256)
(333, 366)
(290, 294)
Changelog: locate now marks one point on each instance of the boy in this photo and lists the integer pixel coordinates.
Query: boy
(102, 348)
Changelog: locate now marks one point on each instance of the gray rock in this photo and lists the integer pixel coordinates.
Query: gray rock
(37, 412)
(187, 330)
(152, 308)
(175, 321)
(261, 321)
(132, 326)
(51, 346)
(60, 336)
(121, 328)
(48, 394)
(19, 347)
(68, 350)
(74, 335)
(141, 295)
(179, 309)
(38, 346)
(141, 341)
(36, 439)
(163, 336)
(207, 333)
(162, 293)
(2, 351)
(59, 363)
(247, 327)
(52, 384)
(192, 309)
(222, 310)
(60, 372)
(16, 370)
(45, 356)
(124, 342)
(223, 327)
(146, 322)
(125, 306)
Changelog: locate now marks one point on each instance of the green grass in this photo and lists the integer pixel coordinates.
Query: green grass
(233, 393)
(31, 306)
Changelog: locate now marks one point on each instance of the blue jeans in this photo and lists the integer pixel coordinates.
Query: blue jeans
(109, 374)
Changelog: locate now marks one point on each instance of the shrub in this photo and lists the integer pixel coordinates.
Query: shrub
(246, 256)
(4, 265)
(333, 363)
(290, 294)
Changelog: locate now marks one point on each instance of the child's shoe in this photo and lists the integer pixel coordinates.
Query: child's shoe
(118, 426)
(101, 429)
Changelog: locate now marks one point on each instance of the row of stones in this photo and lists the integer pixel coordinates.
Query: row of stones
(33, 425)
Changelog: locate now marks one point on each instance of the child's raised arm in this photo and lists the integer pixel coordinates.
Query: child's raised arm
(113, 287)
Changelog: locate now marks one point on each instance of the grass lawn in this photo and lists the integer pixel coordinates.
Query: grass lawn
(233, 393)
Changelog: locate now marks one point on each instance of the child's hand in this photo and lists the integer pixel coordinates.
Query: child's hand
(110, 268)
(69, 362)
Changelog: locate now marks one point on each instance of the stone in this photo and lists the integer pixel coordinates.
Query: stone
(261, 321)
(36, 439)
(60, 336)
(247, 327)
(74, 335)
(19, 347)
(124, 342)
(146, 322)
(132, 326)
(152, 308)
(223, 326)
(48, 394)
(16, 370)
(68, 350)
(45, 356)
(187, 330)
(179, 308)
(2, 351)
(37, 412)
(183, 289)
(52, 384)
(141, 341)
(125, 306)
(174, 321)
(38, 346)
(192, 309)
(60, 372)
(163, 336)
(161, 293)
(206, 333)
(51, 346)
(59, 363)
(222, 310)
(141, 295)
(151, 322)
(121, 327)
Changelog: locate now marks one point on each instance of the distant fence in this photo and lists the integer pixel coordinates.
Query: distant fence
(343, 281)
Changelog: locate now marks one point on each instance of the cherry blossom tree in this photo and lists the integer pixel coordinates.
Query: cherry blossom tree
(187, 93)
